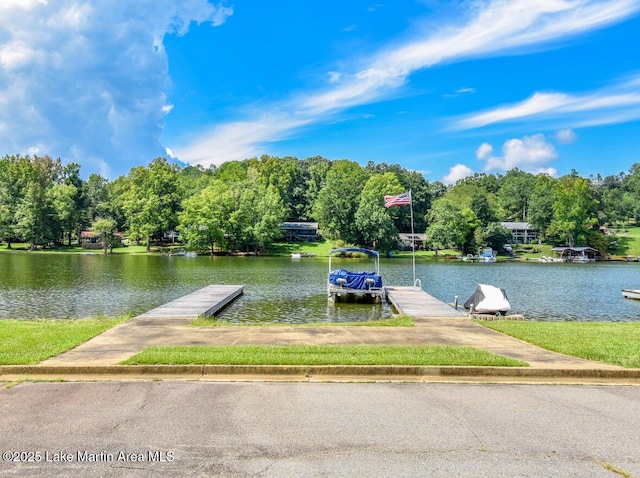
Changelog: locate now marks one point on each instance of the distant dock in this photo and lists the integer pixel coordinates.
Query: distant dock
(415, 302)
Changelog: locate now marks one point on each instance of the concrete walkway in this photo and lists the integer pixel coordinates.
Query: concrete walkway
(125, 340)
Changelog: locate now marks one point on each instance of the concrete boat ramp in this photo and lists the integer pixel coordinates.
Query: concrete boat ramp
(159, 326)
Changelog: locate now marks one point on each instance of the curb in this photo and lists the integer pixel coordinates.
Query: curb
(320, 370)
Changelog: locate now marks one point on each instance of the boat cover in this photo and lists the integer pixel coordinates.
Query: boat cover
(488, 299)
(355, 279)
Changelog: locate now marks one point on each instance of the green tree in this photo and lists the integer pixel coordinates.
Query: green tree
(15, 172)
(205, 215)
(487, 182)
(541, 204)
(97, 198)
(374, 223)
(481, 202)
(619, 205)
(451, 225)
(574, 210)
(257, 214)
(338, 201)
(151, 200)
(106, 229)
(495, 235)
(70, 201)
(287, 177)
(633, 184)
(231, 172)
(315, 171)
(422, 194)
(62, 196)
(192, 180)
(36, 218)
(515, 194)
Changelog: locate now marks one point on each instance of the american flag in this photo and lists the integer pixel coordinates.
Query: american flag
(403, 199)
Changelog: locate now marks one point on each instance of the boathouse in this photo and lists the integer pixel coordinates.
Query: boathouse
(577, 254)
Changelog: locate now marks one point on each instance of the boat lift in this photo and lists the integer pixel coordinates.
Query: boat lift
(342, 283)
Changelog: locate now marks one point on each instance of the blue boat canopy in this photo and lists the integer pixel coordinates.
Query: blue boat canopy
(368, 252)
(341, 281)
(355, 279)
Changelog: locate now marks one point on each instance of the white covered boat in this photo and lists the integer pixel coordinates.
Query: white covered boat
(488, 299)
(631, 294)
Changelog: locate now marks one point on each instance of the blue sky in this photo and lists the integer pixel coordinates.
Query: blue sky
(447, 88)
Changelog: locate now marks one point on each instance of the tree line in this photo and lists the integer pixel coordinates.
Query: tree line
(240, 205)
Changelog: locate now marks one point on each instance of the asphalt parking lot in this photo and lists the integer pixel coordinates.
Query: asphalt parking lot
(155, 428)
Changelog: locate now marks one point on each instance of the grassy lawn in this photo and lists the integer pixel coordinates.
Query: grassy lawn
(320, 355)
(616, 343)
(526, 251)
(320, 249)
(628, 241)
(27, 342)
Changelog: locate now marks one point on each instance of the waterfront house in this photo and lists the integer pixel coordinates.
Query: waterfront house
(92, 240)
(521, 232)
(300, 231)
(408, 239)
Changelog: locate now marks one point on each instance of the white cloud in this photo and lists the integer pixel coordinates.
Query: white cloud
(460, 91)
(616, 103)
(531, 153)
(234, 141)
(553, 172)
(484, 151)
(334, 76)
(86, 80)
(493, 28)
(459, 171)
(566, 136)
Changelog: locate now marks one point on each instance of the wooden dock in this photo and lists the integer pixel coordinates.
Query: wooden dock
(415, 302)
(205, 302)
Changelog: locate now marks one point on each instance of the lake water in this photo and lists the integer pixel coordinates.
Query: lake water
(285, 290)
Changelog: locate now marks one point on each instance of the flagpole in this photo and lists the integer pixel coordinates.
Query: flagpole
(401, 200)
(413, 238)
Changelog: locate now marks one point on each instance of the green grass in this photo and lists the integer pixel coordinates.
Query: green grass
(396, 321)
(320, 248)
(321, 355)
(616, 343)
(628, 241)
(27, 342)
(22, 247)
(421, 255)
(526, 251)
(15, 247)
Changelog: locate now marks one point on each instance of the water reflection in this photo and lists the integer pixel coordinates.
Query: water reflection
(280, 290)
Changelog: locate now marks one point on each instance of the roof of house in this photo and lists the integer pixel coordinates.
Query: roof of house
(299, 225)
(574, 249)
(518, 225)
(407, 236)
